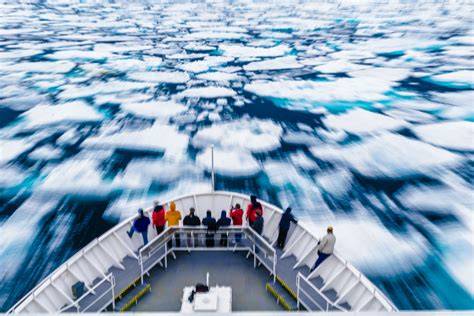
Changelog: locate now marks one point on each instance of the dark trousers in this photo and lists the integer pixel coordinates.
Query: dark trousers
(160, 229)
(282, 238)
(209, 240)
(321, 258)
(223, 240)
(177, 241)
(238, 238)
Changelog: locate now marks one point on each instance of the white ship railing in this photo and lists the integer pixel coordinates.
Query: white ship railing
(159, 246)
(94, 260)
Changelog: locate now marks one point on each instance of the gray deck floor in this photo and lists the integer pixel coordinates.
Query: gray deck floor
(225, 268)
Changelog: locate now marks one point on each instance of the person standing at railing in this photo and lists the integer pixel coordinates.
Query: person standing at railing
(173, 216)
(223, 221)
(257, 225)
(211, 224)
(236, 213)
(193, 221)
(252, 210)
(325, 247)
(140, 225)
(284, 227)
(158, 218)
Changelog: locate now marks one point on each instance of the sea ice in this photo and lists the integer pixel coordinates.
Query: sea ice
(71, 112)
(229, 162)
(218, 76)
(253, 135)
(207, 93)
(11, 148)
(39, 67)
(457, 135)
(461, 78)
(344, 89)
(154, 109)
(248, 51)
(155, 138)
(281, 63)
(76, 176)
(339, 66)
(174, 77)
(360, 121)
(390, 156)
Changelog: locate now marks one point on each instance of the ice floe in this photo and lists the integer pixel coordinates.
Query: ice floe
(339, 66)
(207, 93)
(218, 76)
(72, 112)
(390, 156)
(360, 121)
(229, 162)
(461, 78)
(248, 51)
(159, 137)
(345, 89)
(39, 67)
(281, 63)
(457, 135)
(154, 109)
(175, 77)
(12, 148)
(73, 91)
(79, 54)
(81, 177)
(253, 135)
(47, 152)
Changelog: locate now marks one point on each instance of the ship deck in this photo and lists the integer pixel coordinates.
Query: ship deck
(226, 268)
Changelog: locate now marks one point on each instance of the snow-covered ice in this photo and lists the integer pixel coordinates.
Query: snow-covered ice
(229, 162)
(154, 109)
(360, 121)
(457, 135)
(71, 112)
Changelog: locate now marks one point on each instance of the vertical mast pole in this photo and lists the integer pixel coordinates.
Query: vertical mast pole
(212, 169)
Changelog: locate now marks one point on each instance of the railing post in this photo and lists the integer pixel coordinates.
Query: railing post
(298, 292)
(113, 291)
(254, 256)
(166, 255)
(141, 266)
(274, 266)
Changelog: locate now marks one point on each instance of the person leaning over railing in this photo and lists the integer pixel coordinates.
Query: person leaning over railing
(284, 227)
(173, 216)
(325, 247)
(223, 221)
(192, 220)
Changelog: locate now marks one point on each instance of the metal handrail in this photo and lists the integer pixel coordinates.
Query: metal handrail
(110, 278)
(165, 236)
(300, 277)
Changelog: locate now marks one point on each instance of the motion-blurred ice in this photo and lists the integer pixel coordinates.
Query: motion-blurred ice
(356, 115)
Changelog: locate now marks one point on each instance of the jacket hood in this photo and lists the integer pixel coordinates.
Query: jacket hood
(172, 207)
(223, 214)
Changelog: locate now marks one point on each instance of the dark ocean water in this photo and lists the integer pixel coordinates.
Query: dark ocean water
(360, 116)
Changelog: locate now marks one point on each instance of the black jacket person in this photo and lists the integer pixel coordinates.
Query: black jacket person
(284, 226)
(223, 221)
(192, 220)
